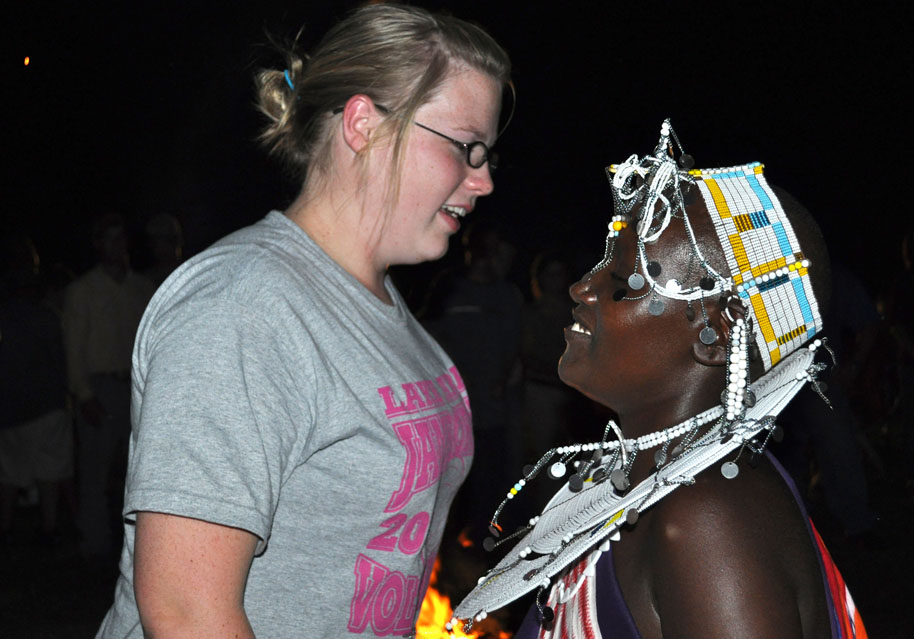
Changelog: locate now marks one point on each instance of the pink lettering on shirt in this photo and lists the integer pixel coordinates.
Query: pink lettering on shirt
(431, 420)
(385, 599)
(428, 451)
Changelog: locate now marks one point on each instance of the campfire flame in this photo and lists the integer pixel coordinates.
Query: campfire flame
(436, 611)
(463, 539)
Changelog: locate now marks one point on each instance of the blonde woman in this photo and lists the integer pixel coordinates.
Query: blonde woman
(297, 436)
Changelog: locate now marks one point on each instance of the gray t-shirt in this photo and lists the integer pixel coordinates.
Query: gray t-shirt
(272, 392)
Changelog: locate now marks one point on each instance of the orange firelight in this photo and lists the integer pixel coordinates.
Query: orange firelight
(27, 60)
(463, 539)
(436, 611)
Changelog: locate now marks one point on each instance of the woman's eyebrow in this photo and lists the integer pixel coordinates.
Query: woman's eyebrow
(472, 132)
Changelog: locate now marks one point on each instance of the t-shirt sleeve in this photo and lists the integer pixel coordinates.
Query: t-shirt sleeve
(223, 418)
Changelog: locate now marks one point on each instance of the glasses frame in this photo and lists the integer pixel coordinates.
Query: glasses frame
(467, 147)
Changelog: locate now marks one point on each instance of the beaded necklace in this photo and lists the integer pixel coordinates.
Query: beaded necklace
(576, 522)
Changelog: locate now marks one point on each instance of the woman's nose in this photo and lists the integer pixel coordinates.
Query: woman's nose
(480, 180)
(582, 290)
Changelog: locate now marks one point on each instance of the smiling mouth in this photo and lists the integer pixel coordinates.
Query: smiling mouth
(456, 212)
(577, 328)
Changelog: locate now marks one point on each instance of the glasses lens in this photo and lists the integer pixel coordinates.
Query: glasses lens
(478, 154)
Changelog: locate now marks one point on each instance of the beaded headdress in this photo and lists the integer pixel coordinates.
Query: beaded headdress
(769, 272)
(771, 281)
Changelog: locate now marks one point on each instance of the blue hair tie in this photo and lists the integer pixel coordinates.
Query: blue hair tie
(288, 79)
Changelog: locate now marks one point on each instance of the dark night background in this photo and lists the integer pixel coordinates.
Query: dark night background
(147, 107)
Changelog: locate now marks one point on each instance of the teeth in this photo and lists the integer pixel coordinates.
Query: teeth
(577, 328)
(454, 211)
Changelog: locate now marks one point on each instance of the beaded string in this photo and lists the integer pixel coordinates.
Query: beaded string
(816, 385)
(566, 453)
(640, 297)
(632, 512)
(737, 370)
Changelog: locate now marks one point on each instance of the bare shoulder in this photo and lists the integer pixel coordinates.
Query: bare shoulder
(756, 508)
(733, 555)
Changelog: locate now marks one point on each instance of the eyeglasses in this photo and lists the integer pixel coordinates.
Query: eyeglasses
(478, 153)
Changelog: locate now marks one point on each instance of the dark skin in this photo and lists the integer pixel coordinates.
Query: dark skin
(722, 558)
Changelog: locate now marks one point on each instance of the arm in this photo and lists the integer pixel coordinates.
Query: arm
(190, 575)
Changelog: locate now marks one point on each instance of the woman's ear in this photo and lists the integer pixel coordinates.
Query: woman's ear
(720, 321)
(360, 119)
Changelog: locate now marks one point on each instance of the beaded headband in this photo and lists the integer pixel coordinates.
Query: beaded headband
(769, 270)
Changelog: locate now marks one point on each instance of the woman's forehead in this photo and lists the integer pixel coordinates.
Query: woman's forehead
(673, 249)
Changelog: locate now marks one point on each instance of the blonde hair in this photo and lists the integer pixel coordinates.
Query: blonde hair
(395, 54)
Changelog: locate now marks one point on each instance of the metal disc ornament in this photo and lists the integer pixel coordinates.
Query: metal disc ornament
(636, 281)
(575, 483)
(631, 516)
(653, 268)
(656, 307)
(557, 470)
(619, 480)
(686, 161)
(729, 470)
(750, 398)
(548, 615)
(707, 336)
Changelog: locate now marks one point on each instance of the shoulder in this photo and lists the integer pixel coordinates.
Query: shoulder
(256, 268)
(730, 554)
(725, 517)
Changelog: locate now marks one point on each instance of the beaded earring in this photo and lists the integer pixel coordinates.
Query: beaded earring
(737, 393)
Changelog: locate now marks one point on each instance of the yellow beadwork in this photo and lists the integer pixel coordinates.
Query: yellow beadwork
(739, 252)
(723, 209)
(761, 316)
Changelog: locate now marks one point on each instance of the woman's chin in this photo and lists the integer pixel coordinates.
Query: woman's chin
(568, 373)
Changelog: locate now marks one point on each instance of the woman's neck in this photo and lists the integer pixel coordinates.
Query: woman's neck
(336, 222)
(652, 417)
